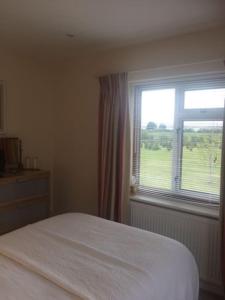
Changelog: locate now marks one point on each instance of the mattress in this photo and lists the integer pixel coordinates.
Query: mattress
(78, 256)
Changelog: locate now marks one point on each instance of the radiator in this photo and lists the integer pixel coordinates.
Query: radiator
(199, 234)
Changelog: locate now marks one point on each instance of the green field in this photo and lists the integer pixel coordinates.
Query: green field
(200, 171)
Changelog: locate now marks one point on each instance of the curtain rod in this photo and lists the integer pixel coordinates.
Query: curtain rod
(167, 67)
(221, 60)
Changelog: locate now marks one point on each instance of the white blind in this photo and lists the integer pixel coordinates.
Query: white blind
(178, 139)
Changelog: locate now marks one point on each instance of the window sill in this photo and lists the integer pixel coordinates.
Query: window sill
(204, 210)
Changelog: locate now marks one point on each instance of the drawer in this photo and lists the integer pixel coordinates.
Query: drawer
(23, 189)
(7, 192)
(23, 214)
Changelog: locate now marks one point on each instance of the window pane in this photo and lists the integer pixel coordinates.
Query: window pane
(157, 123)
(201, 159)
(211, 98)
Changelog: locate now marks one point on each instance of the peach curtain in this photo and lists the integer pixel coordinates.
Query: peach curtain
(113, 166)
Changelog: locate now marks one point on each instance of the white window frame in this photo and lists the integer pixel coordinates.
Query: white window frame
(180, 115)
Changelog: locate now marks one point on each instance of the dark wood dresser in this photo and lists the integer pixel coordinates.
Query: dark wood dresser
(24, 199)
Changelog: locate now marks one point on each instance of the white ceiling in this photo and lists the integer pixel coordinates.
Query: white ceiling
(40, 26)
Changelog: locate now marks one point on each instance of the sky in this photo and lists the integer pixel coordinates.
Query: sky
(158, 105)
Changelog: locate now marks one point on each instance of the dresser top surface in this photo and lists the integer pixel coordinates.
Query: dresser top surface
(23, 175)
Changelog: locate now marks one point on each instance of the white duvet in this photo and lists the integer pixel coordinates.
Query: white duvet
(77, 256)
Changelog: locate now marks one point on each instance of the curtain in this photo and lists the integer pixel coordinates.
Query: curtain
(222, 204)
(114, 148)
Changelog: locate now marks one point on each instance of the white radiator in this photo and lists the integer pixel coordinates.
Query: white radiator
(199, 234)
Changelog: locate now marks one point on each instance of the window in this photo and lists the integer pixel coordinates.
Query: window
(178, 138)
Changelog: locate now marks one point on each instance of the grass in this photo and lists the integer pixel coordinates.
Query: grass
(196, 174)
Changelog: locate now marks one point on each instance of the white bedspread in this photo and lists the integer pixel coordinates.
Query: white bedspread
(77, 256)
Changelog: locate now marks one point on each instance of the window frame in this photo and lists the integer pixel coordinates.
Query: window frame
(180, 116)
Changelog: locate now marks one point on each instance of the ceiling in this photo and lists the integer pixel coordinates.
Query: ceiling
(42, 26)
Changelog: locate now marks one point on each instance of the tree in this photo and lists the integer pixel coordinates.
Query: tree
(151, 126)
(210, 151)
(169, 146)
(162, 126)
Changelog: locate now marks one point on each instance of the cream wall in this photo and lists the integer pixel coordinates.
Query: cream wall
(29, 105)
(75, 165)
(54, 108)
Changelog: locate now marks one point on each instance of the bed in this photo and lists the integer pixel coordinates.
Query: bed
(82, 257)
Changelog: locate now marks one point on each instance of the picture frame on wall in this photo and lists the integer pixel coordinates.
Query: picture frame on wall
(2, 107)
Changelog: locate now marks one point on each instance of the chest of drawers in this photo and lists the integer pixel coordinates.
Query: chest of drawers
(24, 199)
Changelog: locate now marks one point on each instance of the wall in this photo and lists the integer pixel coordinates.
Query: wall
(54, 108)
(29, 103)
(75, 165)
